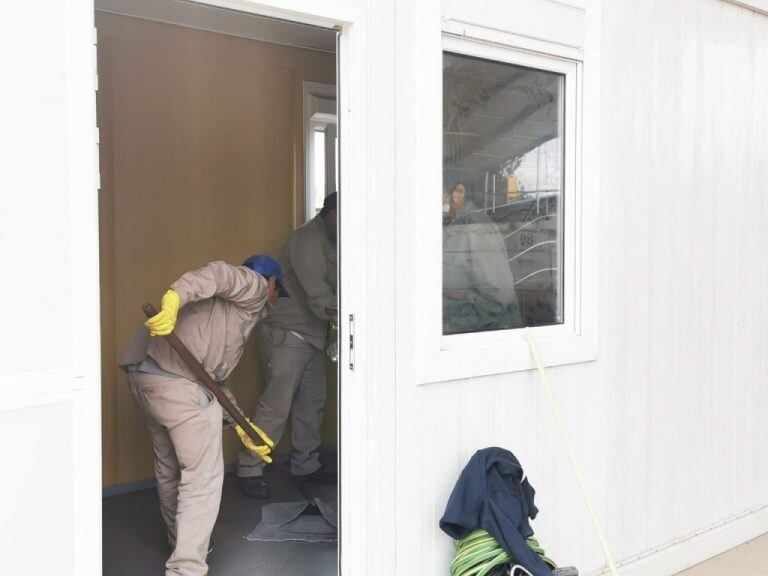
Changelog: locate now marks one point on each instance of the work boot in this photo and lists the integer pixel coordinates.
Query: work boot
(319, 476)
(255, 487)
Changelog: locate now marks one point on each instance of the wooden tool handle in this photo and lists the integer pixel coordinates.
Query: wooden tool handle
(204, 379)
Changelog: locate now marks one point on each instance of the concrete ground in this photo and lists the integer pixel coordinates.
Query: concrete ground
(750, 559)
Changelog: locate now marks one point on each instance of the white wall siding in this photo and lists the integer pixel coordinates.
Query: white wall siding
(49, 387)
(684, 191)
(669, 421)
(34, 157)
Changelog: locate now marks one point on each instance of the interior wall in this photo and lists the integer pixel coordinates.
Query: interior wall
(201, 158)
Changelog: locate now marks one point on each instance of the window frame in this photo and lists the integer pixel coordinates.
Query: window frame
(450, 357)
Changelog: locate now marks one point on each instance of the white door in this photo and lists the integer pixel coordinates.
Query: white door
(50, 486)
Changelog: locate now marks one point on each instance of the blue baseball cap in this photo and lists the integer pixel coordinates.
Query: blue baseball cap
(269, 268)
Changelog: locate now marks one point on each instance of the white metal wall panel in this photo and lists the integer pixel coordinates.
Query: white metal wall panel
(557, 21)
(34, 234)
(49, 348)
(683, 189)
(36, 504)
(669, 421)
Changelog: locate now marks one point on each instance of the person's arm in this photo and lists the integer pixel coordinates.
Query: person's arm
(241, 286)
(309, 264)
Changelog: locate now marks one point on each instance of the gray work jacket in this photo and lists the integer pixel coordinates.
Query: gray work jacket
(309, 277)
(220, 305)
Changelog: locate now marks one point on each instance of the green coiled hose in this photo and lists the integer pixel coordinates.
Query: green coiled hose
(479, 554)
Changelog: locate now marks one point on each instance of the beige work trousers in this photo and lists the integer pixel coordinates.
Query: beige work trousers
(185, 425)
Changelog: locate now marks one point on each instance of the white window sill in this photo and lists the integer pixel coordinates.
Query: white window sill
(509, 353)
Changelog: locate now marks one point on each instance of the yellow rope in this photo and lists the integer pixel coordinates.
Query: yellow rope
(571, 452)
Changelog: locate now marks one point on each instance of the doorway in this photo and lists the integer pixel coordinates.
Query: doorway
(202, 157)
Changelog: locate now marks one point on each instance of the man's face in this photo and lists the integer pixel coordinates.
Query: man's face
(272, 294)
(458, 197)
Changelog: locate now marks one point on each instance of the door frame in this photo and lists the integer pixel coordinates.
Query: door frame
(351, 25)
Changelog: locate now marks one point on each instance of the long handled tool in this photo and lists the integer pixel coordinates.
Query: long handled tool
(204, 379)
(571, 454)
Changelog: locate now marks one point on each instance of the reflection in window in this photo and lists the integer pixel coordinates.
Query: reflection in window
(502, 195)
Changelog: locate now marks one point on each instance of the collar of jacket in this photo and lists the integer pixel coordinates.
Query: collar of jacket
(319, 222)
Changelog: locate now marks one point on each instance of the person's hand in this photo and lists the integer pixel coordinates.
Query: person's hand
(260, 451)
(163, 323)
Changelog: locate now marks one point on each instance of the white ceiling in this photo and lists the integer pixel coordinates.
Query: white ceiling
(212, 19)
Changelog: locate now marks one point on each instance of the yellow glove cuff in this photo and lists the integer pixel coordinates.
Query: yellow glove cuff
(171, 301)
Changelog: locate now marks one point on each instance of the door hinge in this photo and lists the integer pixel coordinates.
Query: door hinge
(352, 342)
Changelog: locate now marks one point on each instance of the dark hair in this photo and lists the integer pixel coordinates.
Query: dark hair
(329, 205)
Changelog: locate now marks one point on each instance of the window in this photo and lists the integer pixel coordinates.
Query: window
(320, 143)
(318, 169)
(504, 205)
(503, 191)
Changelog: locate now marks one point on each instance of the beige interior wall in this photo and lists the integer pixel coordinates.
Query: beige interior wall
(201, 159)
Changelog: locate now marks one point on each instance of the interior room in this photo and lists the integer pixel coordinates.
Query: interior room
(217, 140)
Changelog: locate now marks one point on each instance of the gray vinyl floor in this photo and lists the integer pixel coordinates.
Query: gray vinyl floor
(134, 541)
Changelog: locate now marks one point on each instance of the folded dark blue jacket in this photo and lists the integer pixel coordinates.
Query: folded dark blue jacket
(493, 493)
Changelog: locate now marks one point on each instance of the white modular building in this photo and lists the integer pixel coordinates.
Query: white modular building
(591, 173)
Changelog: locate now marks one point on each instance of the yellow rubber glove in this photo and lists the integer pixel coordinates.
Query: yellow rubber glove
(260, 451)
(162, 323)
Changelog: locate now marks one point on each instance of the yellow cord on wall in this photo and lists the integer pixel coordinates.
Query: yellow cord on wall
(571, 453)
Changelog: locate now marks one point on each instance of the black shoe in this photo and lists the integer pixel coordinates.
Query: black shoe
(319, 476)
(255, 487)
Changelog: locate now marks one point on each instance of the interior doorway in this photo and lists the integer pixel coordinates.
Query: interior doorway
(204, 156)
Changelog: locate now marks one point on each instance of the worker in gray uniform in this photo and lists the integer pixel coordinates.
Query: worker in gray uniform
(291, 343)
(212, 310)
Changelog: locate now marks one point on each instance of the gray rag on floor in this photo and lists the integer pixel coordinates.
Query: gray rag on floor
(286, 521)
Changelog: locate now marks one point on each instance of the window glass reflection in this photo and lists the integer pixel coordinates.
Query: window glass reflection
(502, 195)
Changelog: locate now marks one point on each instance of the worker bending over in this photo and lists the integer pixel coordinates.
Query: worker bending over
(212, 310)
(291, 342)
